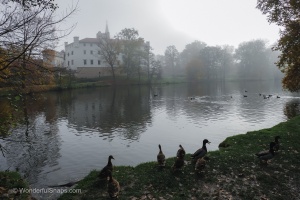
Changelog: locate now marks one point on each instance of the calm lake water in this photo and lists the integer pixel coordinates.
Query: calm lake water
(73, 132)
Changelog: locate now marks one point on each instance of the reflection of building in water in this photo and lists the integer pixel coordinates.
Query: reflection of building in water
(30, 154)
(110, 110)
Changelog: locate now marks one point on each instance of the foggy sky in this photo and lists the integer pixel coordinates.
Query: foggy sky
(172, 22)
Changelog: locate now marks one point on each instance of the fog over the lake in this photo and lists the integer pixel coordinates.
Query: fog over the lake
(171, 22)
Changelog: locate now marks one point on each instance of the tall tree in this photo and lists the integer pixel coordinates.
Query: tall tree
(109, 51)
(131, 42)
(27, 4)
(155, 69)
(252, 58)
(28, 27)
(148, 57)
(226, 61)
(194, 70)
(192, 51)
(190, 56)
(26, 30)
(211, 59)
(287, 15)
(172, 56)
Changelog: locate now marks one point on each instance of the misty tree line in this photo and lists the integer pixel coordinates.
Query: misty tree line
(252, 60)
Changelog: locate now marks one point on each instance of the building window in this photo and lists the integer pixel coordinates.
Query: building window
(84, 44)
(91, 44)
(98, 52)
(72, 53)
(99, 62)
(91, 51)
(84, 51)
(92, 62)
(68, 54)
(68, 63)
(84, 62)
(72, 62)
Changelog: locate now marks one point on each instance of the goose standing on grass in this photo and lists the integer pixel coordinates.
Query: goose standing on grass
(200, 152)
(179, 162)
(161, 159)
(180, 152)
(200, 164)
(266, 155)
(104, 173)
(277, 145)
(113, 186)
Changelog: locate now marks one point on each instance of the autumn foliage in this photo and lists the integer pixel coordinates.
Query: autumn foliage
(287, 15)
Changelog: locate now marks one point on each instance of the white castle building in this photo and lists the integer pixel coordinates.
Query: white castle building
(83, 57)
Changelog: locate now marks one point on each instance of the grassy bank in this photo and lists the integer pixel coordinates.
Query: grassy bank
(232, 172)
(9, 183)
(87, 83)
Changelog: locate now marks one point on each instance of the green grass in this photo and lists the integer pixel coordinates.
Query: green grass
(9, 182)
(232, 172)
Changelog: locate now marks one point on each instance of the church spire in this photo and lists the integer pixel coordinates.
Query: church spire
(106, 30)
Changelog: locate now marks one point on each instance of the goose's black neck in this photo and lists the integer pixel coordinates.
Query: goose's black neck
(109, 161)
(160, 151)
(204, 146)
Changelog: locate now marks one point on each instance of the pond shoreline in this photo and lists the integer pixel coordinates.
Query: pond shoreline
(231, 172)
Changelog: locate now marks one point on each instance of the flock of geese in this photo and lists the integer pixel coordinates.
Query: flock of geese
(199, 158)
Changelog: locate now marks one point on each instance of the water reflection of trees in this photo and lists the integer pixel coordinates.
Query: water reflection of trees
(111, 111)
(292, 108)
(30, 153)
(33, 142)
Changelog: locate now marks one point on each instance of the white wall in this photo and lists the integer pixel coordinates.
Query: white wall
(78, 55)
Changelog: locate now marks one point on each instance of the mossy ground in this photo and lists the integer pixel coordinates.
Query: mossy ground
(233, 172)
(9, 182)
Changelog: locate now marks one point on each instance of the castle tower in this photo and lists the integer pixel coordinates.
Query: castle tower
(107, 31)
